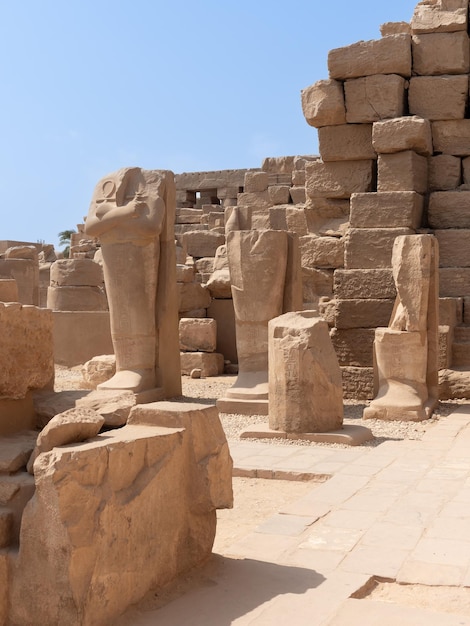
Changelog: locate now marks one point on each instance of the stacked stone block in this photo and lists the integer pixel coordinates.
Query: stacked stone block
(198, 342)
(394, 145)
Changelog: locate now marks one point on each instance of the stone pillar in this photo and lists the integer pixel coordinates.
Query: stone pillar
(305, 389)
(406, 353)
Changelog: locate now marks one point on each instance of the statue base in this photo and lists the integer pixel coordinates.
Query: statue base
(349, 435)
(243, 407)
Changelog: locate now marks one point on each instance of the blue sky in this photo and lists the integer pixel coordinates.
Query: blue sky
(90, 86)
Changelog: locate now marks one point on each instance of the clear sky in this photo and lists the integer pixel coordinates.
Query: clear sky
(90, 86)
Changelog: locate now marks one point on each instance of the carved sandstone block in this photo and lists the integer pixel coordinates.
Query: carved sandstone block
(452, 137)
(347, 142)
(338, 180)
(364, 283)
(323, 103)
(454, 247)
(389, 55)
(198, 335)
(324, 252)
(449, 209)
(403, 133)
(438, 97)
(362, 313)
(440, 16)
(444, 172)
(373, 98)
(371, 247)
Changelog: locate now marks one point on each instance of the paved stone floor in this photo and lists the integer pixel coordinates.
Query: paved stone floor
(400, 511)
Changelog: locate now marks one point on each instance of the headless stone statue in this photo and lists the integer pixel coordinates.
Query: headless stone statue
(132, 214)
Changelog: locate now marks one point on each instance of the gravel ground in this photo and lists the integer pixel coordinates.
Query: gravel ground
(212, 388)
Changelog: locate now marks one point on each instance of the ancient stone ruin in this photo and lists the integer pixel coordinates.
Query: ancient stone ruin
(313, 278)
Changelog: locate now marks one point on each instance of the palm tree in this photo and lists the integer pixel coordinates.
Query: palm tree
(64, 240)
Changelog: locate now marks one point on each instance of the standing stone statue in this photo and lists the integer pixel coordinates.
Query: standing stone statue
(266, 281)
(132, 213)
(406, 353)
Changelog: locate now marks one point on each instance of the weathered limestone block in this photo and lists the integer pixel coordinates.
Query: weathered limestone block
(347, 142)
(403, 133)
(198, 335)
(466, 171)
(450, 311)
(203, 244)
(26, 274)
(113, 532)
(388, 209)
(210, 363)
(373, 98)
(279, 194)
(305, 391)
(257, 199)
(394, 28)
(192, 296)
(256, 182)
(27, 350)
(440, 16)
(402, 171)
(338, 180)
(76, 298)
(371, 247)
(297, 194)
(76, 272)
(364, 283)
(358, 382)
(445, 172)
(452, 137)
(8, 290)
(98, 370)
(454, 247)
(184, 273)
(362, 313)
(449, 209)
(296, 220)
(354, 347)
(80, 335)
(389, 55)
(324, 252)
(441, 53)
(454, 282)
(323, 103)
(438, 97)
(326, 209)
(72, 426)
(278, 165)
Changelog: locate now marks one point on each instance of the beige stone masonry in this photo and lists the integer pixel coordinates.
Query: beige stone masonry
(76, 272)
(402, 171)
(454, 247)
(348, 142)
(452, 137)
(258, 199)
(438, 97)
(362, 313)
(184, 273)
(440, 16)
(338, 180)
(445, 172)
(323, 103)
(256, 182)
(296, 220)
(466, 171)
(454, 282)
(441, 53)
(358, 382)
(403, 133)
(364, 283)
(316, 283)
(192, 296)
(354, 346)
(394, 28)
(8, 290)
(209, 363)
(202, 244)
(449, 209)
(371, 247)
(373, 98)
(26, 274)
(389, 55)
(392, 209)
(76, 298)
(322, 252)
(279, 194)
(26, 348)
(198, 335)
